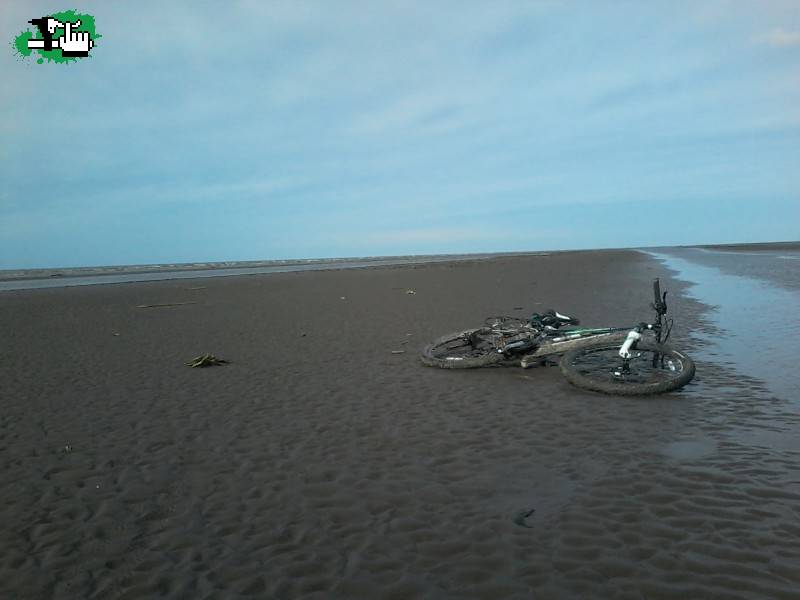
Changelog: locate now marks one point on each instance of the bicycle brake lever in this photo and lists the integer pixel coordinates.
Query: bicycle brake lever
(661, 306)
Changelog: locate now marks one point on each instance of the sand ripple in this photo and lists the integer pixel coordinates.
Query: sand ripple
(322, 466)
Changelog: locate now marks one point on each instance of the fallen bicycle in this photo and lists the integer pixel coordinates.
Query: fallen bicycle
(615, 360)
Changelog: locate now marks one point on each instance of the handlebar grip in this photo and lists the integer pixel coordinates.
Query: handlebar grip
(657, 291)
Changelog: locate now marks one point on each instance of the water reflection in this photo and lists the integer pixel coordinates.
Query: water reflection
(758, 316)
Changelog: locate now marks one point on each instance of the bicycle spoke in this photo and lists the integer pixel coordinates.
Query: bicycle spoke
(465, 347)
(606, 364)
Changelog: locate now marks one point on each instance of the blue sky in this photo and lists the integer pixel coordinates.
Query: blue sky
(201, 131)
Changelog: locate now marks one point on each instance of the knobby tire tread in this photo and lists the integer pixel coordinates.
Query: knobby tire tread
(427, 357)
(628, 389)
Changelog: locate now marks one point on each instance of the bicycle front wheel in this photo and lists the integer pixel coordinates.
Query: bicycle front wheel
(463, 350)
(652, 369)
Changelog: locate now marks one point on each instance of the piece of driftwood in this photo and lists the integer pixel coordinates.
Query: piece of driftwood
(206, 360)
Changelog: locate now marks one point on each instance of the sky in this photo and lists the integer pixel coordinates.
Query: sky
(256, 130)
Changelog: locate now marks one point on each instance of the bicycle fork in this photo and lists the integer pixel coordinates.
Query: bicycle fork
(630, 344)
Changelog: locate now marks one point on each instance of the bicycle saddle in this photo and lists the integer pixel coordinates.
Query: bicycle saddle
(551, 319)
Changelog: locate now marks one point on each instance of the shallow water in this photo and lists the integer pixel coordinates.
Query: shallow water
(777, 267)
(757, 317)
(131, 277)
(55, 278)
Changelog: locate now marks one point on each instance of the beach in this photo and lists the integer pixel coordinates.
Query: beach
(324, 461)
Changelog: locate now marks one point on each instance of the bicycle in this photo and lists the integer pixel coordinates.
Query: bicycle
(612, 360)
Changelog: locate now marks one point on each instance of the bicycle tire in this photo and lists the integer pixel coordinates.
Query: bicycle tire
(467, 349)
(592, 368)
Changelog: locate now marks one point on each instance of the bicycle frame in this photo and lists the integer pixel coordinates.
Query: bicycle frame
(612, 360)
(572, 339)
(578, 337)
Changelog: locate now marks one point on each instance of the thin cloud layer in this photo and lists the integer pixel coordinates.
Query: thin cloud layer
(300, 129)
(780, 38)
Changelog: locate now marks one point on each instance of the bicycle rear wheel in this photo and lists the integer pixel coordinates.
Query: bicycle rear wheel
(654, 369)
(463, 350)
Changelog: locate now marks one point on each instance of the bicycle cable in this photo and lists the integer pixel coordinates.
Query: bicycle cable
(668, 328)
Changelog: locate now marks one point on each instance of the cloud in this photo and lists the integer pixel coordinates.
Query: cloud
(424, 111)
(437, 239)
(324, 129)
(779, 38)
(445, 234)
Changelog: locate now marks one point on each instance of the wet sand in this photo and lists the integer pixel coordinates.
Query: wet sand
(318, 464)
(753, 295)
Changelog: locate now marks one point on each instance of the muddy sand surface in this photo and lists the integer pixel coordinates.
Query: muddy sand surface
(318, 464)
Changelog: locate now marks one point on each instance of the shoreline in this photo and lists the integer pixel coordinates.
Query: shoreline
(755, 246)
(19, 279)
(201, 267)
(114, 275)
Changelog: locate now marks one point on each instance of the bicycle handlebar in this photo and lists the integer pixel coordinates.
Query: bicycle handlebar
(660, 300)
(657, 291)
